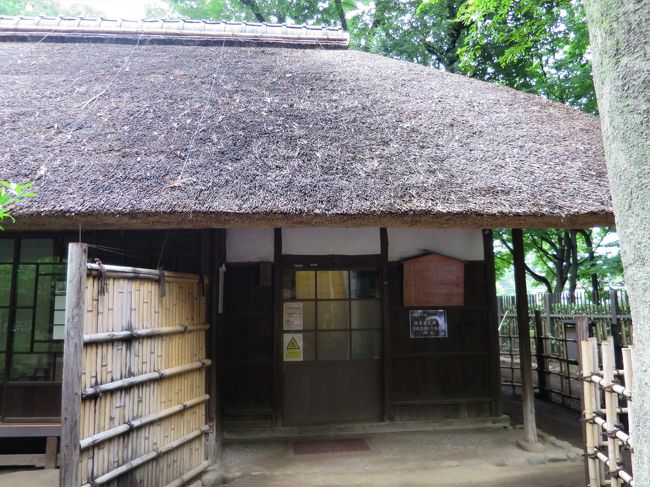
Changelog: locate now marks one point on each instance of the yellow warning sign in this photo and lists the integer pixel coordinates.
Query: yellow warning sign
(293, 347)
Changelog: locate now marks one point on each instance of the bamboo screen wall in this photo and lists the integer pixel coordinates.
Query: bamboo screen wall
(142, 389)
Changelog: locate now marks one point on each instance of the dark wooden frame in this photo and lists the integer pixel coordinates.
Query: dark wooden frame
(491, 298)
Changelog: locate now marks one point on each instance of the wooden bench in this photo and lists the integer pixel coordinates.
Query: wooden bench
(50, 431)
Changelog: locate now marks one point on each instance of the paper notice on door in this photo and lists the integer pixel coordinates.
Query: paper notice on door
(293, 347)
(293, 316)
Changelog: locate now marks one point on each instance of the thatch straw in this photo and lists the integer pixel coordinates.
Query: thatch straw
(178, 136)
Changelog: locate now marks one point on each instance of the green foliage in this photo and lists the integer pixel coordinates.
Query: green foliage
(561, 259)
(538, 46)
(12, 194)
(46, 8)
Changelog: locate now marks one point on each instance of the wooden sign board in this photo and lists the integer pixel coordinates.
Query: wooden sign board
(434, 280)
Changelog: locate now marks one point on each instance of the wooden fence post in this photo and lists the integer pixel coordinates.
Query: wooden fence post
(540, 352)
(75, 304)
(616, 329)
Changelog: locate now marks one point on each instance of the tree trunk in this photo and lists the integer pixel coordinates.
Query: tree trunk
(573, 269)
(591, 257)
(620, 41)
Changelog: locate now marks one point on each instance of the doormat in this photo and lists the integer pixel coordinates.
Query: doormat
(330, 446)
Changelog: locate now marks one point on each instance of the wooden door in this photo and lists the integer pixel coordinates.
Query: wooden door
(331, 345)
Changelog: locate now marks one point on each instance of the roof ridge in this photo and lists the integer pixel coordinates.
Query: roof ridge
(160, 29)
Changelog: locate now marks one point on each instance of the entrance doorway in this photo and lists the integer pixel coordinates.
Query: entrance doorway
(331, 345)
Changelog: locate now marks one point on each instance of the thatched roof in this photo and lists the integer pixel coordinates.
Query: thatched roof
(140, 135)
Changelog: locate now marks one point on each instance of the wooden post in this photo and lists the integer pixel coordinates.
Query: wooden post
(277, 328)
(540, 355)
(525, 359)
(388, 344)
(493, 323)
(75, 304)
(548, 310)
(616, 330)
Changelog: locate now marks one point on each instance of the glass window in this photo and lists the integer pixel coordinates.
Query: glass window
(35, 250)
(30, 367)
(299, 315)
(332, 284)
(366, 345)
(299, 284)
(23, 330)
(344, 308)
(366, 313)
(26, 283)
(4, 328)
(333, 345)
(333, 315)
(365, 284)
(44, 298)
(6, 250)
(5, 284)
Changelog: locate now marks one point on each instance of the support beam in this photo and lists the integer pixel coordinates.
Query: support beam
(525, 361)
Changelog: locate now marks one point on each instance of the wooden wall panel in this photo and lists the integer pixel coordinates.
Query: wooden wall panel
(447, 378)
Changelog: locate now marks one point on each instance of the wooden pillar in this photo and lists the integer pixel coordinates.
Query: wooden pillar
(75, 307)
(540, 355)
(388, 344)
(525, 361)
(493, 323)
(277, 328)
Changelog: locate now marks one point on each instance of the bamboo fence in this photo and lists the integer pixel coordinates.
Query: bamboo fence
(143, 386)
(552, 323)
(607, 392)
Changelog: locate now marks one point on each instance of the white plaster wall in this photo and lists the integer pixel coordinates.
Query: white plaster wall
(461, 243)
(330, 241)
(249, 245)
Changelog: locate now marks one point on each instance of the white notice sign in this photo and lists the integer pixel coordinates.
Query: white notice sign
(293, 316)
(292, 347)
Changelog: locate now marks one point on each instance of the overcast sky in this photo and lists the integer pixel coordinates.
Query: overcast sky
(128, 9)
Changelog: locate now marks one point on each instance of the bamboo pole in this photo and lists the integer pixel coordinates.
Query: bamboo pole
(142, 378)
(185, 478)
(590, 438)
(139, 422)
(628, 375)
(112, 336)
(141, 460)
(611, 402)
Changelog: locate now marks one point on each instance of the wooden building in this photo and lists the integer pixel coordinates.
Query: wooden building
(338, 203)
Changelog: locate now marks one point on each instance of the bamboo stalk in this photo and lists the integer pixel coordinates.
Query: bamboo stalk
(182, 480)
(142, 333)
(606, 384)
(125, 272)
(137, 423)
(611, 400)
(628, 375)
(147, 457)
(142, 378)
(588, 393)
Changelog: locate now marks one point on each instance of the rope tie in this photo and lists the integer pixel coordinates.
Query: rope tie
(161, 281)
(103, 277)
